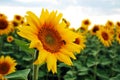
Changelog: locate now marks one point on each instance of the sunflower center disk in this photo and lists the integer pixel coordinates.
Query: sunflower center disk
(110, 23)
(95, 29)
(118, 23)
(118, 35)
(4, 68)
(86, 22)
(3, 24)
(105, 36)
(50, 39)
(18, 17)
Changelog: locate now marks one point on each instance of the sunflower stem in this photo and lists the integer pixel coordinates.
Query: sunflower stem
(35, 67)
(95, 67)
(35, 72)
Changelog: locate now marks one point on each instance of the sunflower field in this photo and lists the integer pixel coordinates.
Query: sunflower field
(45, 47)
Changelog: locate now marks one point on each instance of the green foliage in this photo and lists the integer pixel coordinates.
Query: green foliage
(18, 75)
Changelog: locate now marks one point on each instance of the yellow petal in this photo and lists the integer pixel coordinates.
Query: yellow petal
(51, 63)
(72, 47)
(64, 58)
(41, 57)
(28, 34)
(68, 53)
(35, 44)
(31, 22)
(33, 17)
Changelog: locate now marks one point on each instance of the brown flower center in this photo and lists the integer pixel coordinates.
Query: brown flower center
(1, 15)
(15, 23)
(119, 35)
(4, 68)
(86, 22)
(9, 39)
(95, 29)
(105, 36)
(77, 41)
(110, 23)
(18, 17)
(118, 23)
(50, 39)
(3, 23)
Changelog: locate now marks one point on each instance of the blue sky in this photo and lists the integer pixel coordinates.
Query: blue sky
(98, 11)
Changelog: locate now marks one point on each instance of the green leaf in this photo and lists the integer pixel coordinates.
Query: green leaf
(102, 74)
(27, 58)
(18, 75)
(116, 77)
(83, 73)
(70, 75)
(24, 46)
(116, 68)
(105, 61)
(82, 68)
(7, 45)
(92, 62)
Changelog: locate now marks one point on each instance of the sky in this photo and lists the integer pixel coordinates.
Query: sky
(97, 11)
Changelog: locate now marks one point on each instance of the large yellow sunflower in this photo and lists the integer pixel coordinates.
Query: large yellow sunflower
(51, 37)
(7, 66)
(5, 26)
(105, 36)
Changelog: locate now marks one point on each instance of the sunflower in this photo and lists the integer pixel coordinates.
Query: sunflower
(50, 36)
(80, 41)
(118, 36)
(10, 38)
(5, 26)
(7, 66)
(3, 16)
(14, 23)
(18, 18)
(117, 25)
(109, 24)
(86, 22)
(94, 29)
(105, 36)
(84, 26)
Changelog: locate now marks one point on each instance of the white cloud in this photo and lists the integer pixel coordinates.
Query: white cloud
(46, 1)
(72, 1)
(11, 11)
